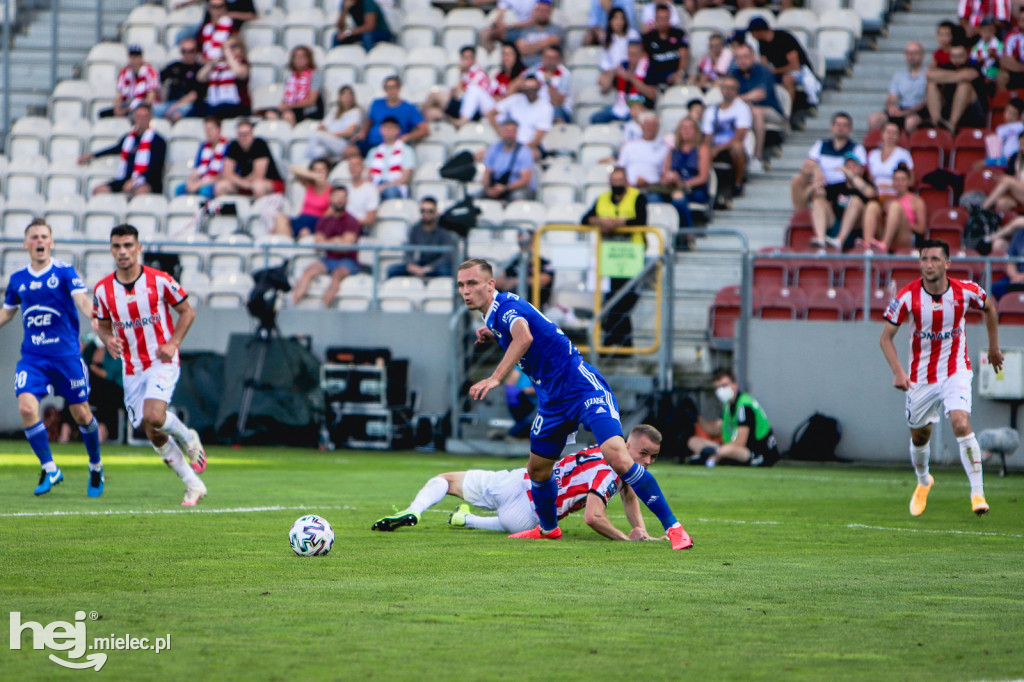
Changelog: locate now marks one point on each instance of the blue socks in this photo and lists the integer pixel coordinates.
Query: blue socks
(39, 441)
(649, 492)
(545, 496)
(91, 437)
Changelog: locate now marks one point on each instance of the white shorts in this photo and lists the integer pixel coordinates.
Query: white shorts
(923, 400)
(504, 492)
(156, 383)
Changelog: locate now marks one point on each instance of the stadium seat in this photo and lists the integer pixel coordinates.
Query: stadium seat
(742, 18)
(63, 178)
(873, 139)
(385, 59)
(427, 182)
(18, 212)
(67, 139)
(530, 214)
(812, 273)
(70, 100)
(105, 132)
(265, 30)
(968, 149)
(981, 180)
(899, 272)
(494, 245)
(714, 18)
(492, 212)
(444, 305)
(24, 175)
(64, 214)
(301, 26)
(104, 61)
(930, 148)
(782, 303)
(666, 217)
(102, 212)
(560, 183)
(799, 232)
(1011, 308)
(147, 213)
(948, 225)
(421, 28)
(770, 273)
(851, 275)
(936, 200)
(802, 23)
(722, 317)
(873, 14)
(144, 25)
(268, 97)
(828, 304)
(29, 136)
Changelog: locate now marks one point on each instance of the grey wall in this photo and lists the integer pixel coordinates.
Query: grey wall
(796, 368)
(419, 337)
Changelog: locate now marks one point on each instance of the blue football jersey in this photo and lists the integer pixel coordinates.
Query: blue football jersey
(47, 309)
(549, 358)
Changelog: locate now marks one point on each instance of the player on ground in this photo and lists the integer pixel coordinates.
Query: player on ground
(585, 481)
(940, 369)
(48, 291)
(133, 306)
(569, 392)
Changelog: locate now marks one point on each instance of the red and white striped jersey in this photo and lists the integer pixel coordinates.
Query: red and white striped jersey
(976, 10)
(476, 75)
(140, 315)
(1013, 46)
(133, 87)
(938, 342)
(579, 475)
(213, 36)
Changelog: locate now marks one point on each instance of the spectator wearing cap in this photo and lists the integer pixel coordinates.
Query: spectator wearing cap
(412, 126)
(137, 83)
(841, 206)
(628, 80)
(532, 114)
(509, 167)
(821, 169)
(782, 53)
(539, 34)
(668, 51)
(181, 89)
(426, 232)
(392, 162)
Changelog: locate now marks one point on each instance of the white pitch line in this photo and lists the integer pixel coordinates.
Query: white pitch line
(126, 512)
(935, 531)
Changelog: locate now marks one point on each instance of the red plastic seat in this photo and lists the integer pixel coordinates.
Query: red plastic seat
(954, 236)
(852, 274)
(722, 316)
(982, 180)
(935, 200)
(800, 231)
(873, 139)
(968, 149)
(1011, 308)
(997, 103)
(812, 273)
(785, 303)
(770, 272)
(955, 217)
(828, 303)
(930, 149)
(902, 272)
(879, 303)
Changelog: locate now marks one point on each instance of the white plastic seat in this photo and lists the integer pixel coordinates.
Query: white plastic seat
(63, 178)
(29, 136)
(18, 212)
(385, 59)
(712, 17)
(567, 213)
(529, 213)
(410, 288)
(403, 209)
(742, 18)
(64, 213)
(147, 213)
(302, 27)
(263, 31)
(106, 132)
(800, 22)
(102, 212)
(70, 100)
(267, 96)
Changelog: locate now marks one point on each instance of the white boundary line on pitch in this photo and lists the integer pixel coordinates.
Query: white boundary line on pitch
(126, 512)
(934, 531)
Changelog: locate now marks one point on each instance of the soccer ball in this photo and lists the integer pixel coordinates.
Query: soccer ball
(311, 535)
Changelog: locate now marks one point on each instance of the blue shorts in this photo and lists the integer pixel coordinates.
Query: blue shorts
(303, 222)
(68, 376)
(585, 399)
(333, 264)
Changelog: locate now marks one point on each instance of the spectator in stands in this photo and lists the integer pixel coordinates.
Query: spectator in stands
(391, 162)
(509, 75)
(695, 110)
(757, 88)
(555, 81)
(644, 159)
(469, 99)
(687, 169)
(1011, 64)
(954, 92)
(508, 280)
(302, 89)
(239, 11)
(986, 52)
(618, 34)
(783, 54)
(746, 434)
(137, 83)
(227, 82)
(142, 151)
(715, 63)
(843, 205)
(823, 162)
(508, 167)
(362, 22)
(511, 17)
(884, 160)
(1014, 279)
(620, 206)
(1008, 133)
(905, 220)
(905, 104)
(538, 34)
(410, 120)
(649, 15)
(946, 33)
(1008, 193)
(336, 228)
(332, 135)
(363, 196)
(209, 162)
(314, 202)
(426, 232)
(602, 24)
(668, 51)
(725, 127)
(217, 27)
(627, 79)
(973, 13)
(249, 168)
(533, 115)
(181, 89)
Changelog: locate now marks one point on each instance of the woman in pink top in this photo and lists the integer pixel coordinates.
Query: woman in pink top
(314, 204)
(905, 216)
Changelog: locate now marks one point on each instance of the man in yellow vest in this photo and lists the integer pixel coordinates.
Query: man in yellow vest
(620, 206)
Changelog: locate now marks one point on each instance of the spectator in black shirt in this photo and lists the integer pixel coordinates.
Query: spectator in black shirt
(181, 88)
(667, 51)
(954, 90)
(781, 52)
(249, 167)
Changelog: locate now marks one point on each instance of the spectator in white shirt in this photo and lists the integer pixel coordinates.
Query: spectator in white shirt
(391, 162)
(555, 83)
(533, 115)
(726, 127)
(363, 196)
(618, 34)
(644, 159)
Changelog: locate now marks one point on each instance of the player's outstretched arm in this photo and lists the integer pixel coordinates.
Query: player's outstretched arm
(995, 356)
(6, 315)
(83, 302)
(596, 516)
(631, 505)
(900, 379)
(521, 340)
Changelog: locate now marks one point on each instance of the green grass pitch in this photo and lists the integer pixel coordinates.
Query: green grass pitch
(798, 573)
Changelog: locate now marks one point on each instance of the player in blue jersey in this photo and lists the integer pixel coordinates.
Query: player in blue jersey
(569, 392)
(50, 295)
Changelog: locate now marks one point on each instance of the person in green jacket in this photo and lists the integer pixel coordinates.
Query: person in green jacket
(747, 436)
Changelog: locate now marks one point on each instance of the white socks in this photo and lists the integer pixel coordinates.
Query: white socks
(50, 467)
(173, 457)
(485, 523)
(429, 495)
(919, 458)
(970, 458)
(175, 428)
